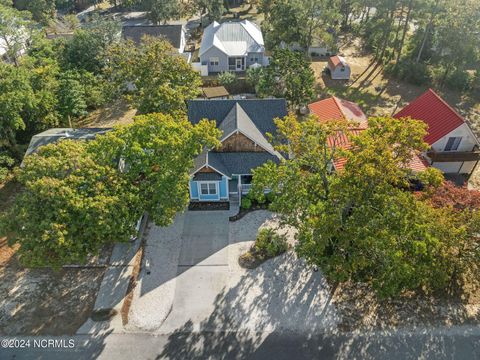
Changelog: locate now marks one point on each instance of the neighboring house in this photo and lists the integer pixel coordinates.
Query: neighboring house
(335, 108)
(215, 92)
(454, 147)
(339, 68)
(224, 173)
(51, 136)
(232, 46)
(342, 141)
(174, 34)
(317, 49)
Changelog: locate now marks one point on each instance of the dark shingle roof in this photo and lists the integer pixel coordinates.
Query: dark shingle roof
(260, 111)
(173, 33)
(207, 176)
(239, 162)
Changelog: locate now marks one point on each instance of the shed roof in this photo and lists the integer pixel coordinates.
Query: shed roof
(215, 92)
(337, 60)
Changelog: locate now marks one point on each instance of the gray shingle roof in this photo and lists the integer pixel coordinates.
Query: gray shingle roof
(172, 33)
(207, 176)
(53, 135)
(239, 162)
(260, 111)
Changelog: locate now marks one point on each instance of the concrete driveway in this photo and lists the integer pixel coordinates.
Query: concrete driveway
(196, 283)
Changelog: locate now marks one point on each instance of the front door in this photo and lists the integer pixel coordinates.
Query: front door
(239, 64)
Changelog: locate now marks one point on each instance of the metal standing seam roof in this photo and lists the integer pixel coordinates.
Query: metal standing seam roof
(233, 38)
(51, 136)
(172, 33)
(335, 108)
(430, 108)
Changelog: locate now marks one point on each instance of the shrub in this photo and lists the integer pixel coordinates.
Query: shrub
(246, 203)
(270, 197)
(269, 244)
(227, 78)
(410, 71)
(6, 163)
(459, 80)
(254, 75)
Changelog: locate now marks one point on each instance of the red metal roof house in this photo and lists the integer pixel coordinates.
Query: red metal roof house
(454, 147)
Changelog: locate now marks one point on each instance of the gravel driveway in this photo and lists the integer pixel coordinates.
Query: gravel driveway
(196, 283)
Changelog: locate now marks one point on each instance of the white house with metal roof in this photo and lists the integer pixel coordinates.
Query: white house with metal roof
(232, 46)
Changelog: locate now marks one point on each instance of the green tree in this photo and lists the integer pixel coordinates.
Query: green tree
(43, 11)
(161, 11)
(162, 80)
(15, 96)
(71, 98)
(70, 206)
(77, 196)
(299, 21)
(158, 151)
(212, 9)
(15, 29)
(86, 50)
(288, 75)
(361, 223)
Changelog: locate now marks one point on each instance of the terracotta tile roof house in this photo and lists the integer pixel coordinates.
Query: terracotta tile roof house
(221, 174)
(342, 141)
(454, 147)
(337, 109)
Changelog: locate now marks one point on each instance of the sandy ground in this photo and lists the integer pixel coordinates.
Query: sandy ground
(118, 113)
(379, 95)
(41, 301)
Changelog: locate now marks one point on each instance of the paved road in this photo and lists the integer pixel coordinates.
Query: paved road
(458, 343)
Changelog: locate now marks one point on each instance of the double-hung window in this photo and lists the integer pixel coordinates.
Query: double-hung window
(208, 188)
(214, 61)
(453, 143)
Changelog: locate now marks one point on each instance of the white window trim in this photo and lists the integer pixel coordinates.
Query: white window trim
(458, 145)
(214, 61)
(217, 188)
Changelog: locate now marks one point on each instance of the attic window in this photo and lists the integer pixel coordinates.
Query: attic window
(453, 143)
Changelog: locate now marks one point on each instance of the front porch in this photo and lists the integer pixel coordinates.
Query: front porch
(237, 64)
(213, 187)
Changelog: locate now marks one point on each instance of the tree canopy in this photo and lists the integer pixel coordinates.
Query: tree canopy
(76, 198)
(363, 223)
(288, 76)
(162, 81)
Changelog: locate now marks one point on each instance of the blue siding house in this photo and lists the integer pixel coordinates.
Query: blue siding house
(225, 173)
